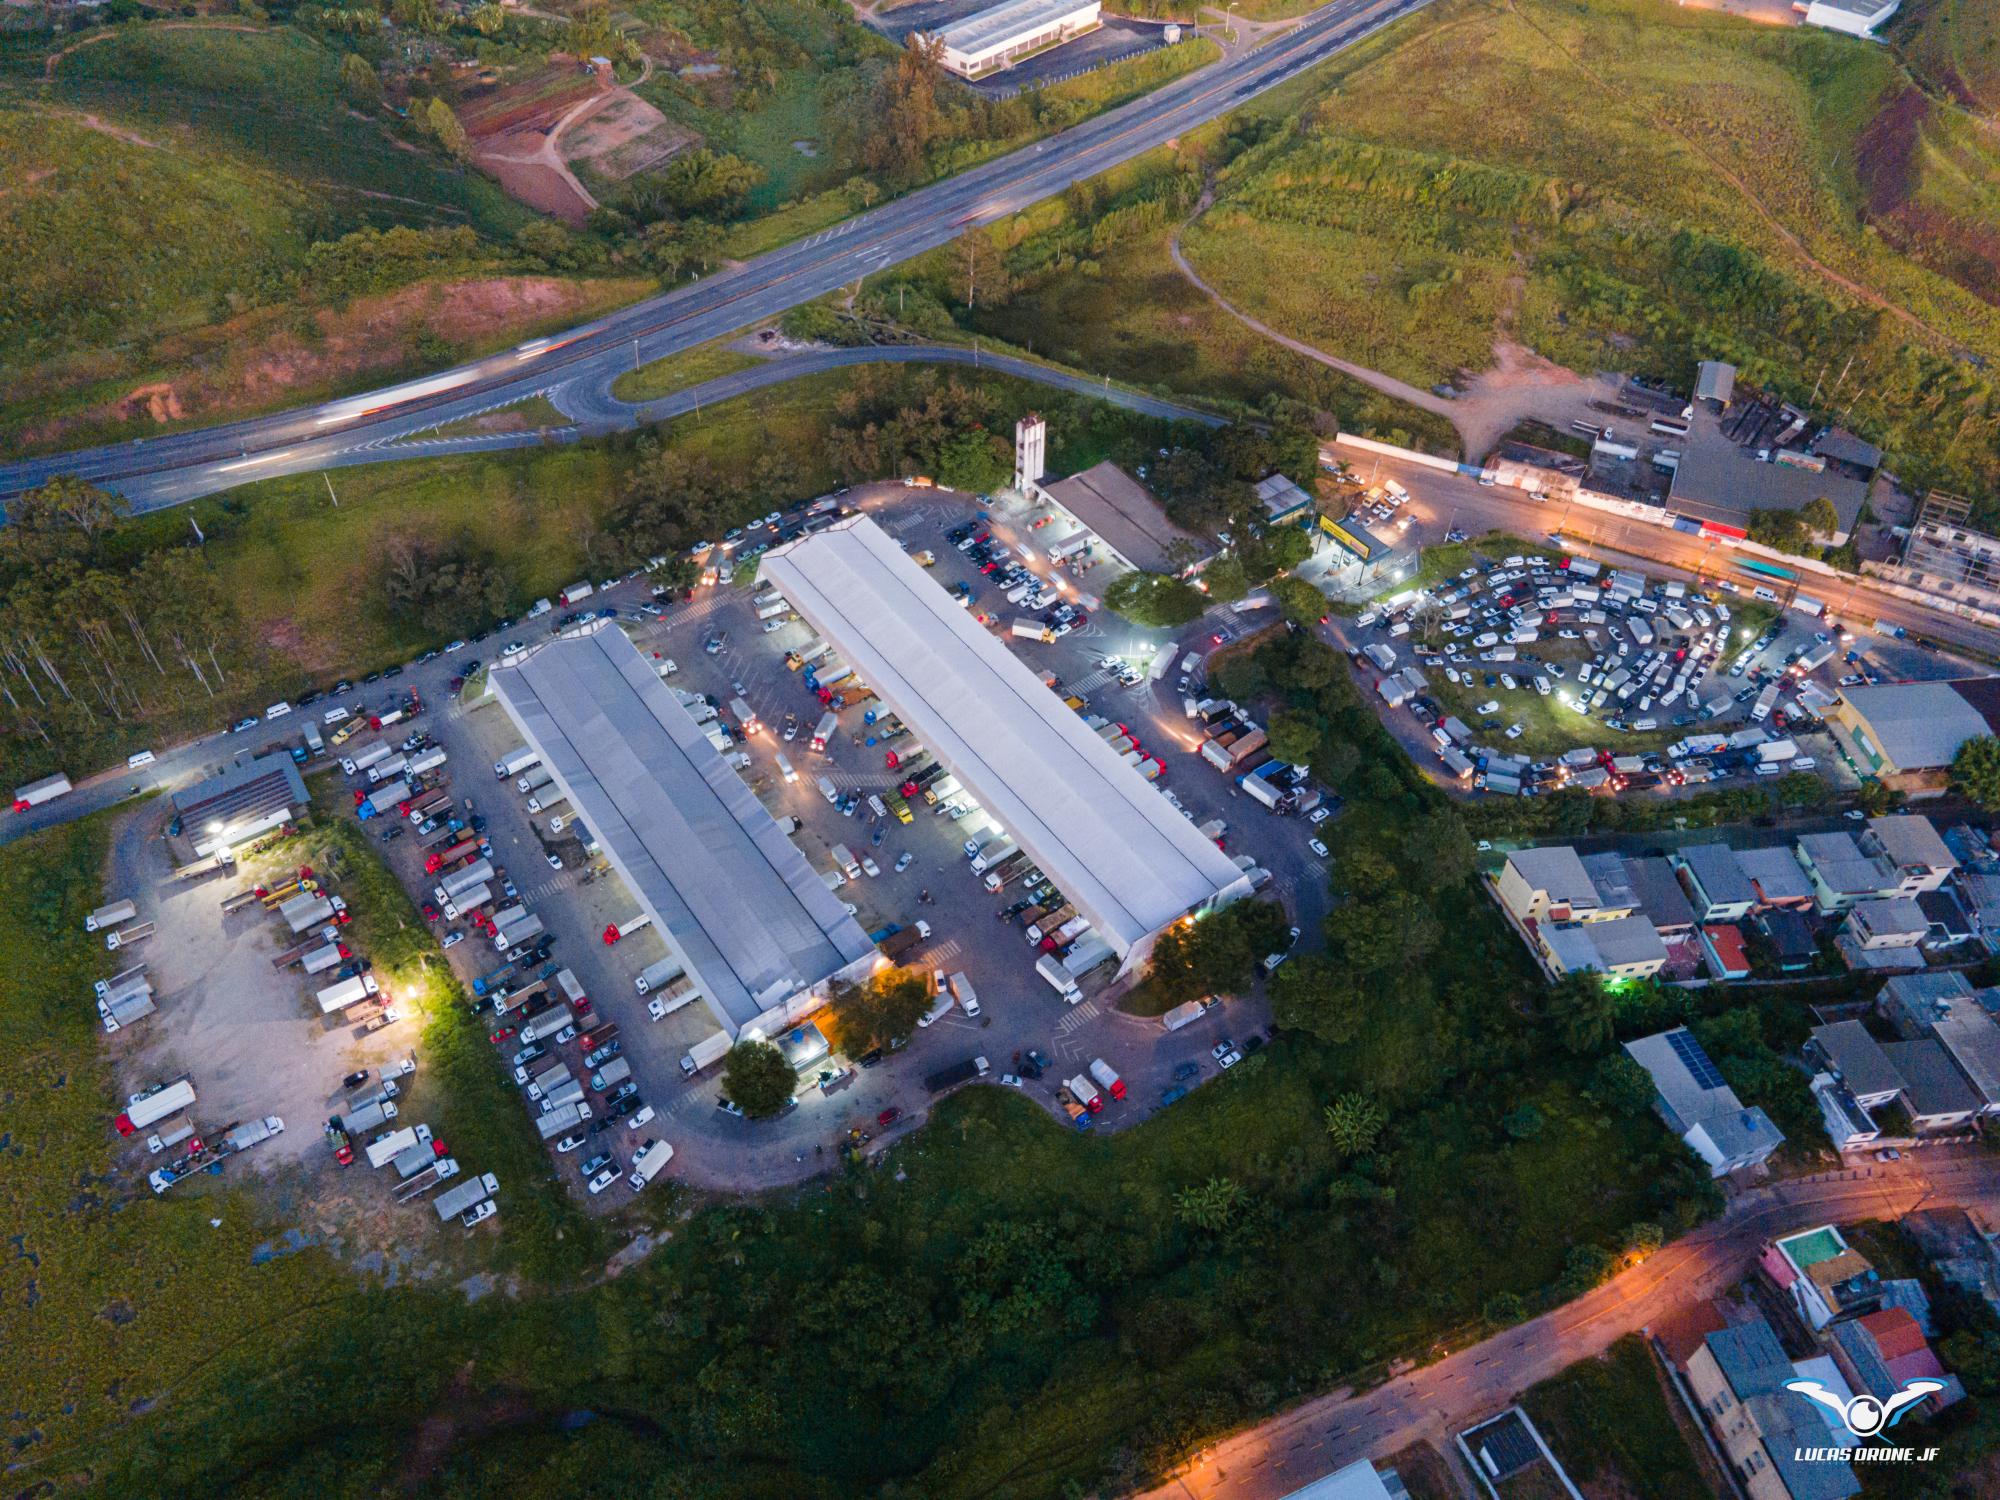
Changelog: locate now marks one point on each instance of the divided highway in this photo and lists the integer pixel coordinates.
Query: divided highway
(170, 470)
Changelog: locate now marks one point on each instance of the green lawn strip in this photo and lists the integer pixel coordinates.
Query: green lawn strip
(677, 372)
(535, 411)
(1610, 1423)
(474, 1105)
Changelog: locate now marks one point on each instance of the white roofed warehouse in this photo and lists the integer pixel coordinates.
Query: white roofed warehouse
(999, 37)
(740, 908)
(1114, 846)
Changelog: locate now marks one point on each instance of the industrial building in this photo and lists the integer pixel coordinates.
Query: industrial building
(1900, 727)
(995, 39)
(1114, 846)
(1127, 521)
(251, 795)
(736, 901)
(1855, 17)
(1944, 556)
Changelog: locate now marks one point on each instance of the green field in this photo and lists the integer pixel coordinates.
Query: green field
(1615, 1425)
(663, 377)
(1620, 185)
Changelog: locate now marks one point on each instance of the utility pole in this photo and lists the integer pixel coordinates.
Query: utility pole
(329, 489)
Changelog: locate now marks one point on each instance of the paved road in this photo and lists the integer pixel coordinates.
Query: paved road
(164, 469)
(1292, 1449)
(1457, 500)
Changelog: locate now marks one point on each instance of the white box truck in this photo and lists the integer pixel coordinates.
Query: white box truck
(710, 1048)
(109, 916)
(515, 762)
(652, 1157)
(657, 974)
(336, 997)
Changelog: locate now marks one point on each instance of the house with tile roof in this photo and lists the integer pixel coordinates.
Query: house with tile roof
(1881, 1352)
(1737, 1379)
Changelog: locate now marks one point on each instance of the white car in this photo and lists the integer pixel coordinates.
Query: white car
(604, 1179)
(452, 940)
(1319, 815)
(1012, 1080)
(569, 1143)
(335, 716)
(903, 861)
(454, 646)
(567, 1034)
(641, 1116)
(479, 1213)
(1490, 706)
(1317, 847)
(1507, 681)
(923, 929)
(555, 862)
(869, 865)
(1515, 731)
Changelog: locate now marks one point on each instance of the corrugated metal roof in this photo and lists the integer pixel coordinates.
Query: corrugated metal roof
(750, 917)
(1097, 828)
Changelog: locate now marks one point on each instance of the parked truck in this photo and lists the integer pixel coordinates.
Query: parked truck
(382, 801)
(337, 997)
(547, 1024)
(957, 1073)
(652, 1157)
(368, 1117)
(656, 974)
(466, 1201)
(415, 1187)
(464, 879)
(386, 1147)
(156, 1103)
(534, 781)
(562, 1120)
(1228, 757)
(711, 1048)
(1032, 630)
(35, 793)
(467, 901)
(388, 769)
(610, 1075)
(128, 937)
(515, 762)
(524, 931)
(1059, 978)
(120, 1011)
(109, 916)
(426, 760)
(1185, 1015)
(899, 942)
(1766, 701)
(1084, 1092)
(367, 759)
(824, 731)
(677, 992)
(1107, 1078)
(446, 857)
(318, 960)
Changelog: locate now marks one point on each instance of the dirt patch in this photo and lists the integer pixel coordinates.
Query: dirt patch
(1885, 155)
(623, 137)
(528, 106)
(130, 138)
(542, 187)
(264, 356)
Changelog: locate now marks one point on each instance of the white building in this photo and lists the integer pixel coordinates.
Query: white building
(1097, 828)
(994, 39)
(1855, 17)
(734, 898)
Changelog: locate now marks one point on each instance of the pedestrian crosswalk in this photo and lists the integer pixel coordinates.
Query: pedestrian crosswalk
(1090, 682)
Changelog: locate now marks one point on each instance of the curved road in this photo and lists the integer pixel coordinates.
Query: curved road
(170, 469)
(1290, 1450)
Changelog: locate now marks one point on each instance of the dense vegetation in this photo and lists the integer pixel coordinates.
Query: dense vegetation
(1100, 1305)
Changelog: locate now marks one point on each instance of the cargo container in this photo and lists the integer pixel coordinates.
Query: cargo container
(711, 1048)
(37, 792)
(466, 1199)
(348, 992)
(515, 762)
(651, 1159)
(109, 916)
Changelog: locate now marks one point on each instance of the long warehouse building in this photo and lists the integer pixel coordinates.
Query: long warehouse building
(1107, 838)
(739, 906)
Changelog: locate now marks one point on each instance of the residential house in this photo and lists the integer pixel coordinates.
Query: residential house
(1935, 1095)
(1880, 1352)
(1912, 845)
(1946, 1008)
(1360, 1480)
(1737, 1378)
(1551, 885)
(1779, 878)
(1848, 1125)
(1825, 1277)
(1950, 924)
(1700, 1107)
(1660, 898)
(1623, 948)
(1897, 922)
(1979, 893)
(1722, 947)
(1842, 873)
(1791, 937)
(1960, 1253)
(1715, 882)
(1845, 1049)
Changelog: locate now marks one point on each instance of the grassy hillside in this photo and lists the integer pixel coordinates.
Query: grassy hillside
(1622, 185)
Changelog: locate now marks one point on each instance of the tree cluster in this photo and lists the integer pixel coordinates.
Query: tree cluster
(446, 587)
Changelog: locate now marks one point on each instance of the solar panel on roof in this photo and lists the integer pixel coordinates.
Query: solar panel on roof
(1688, 1050)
